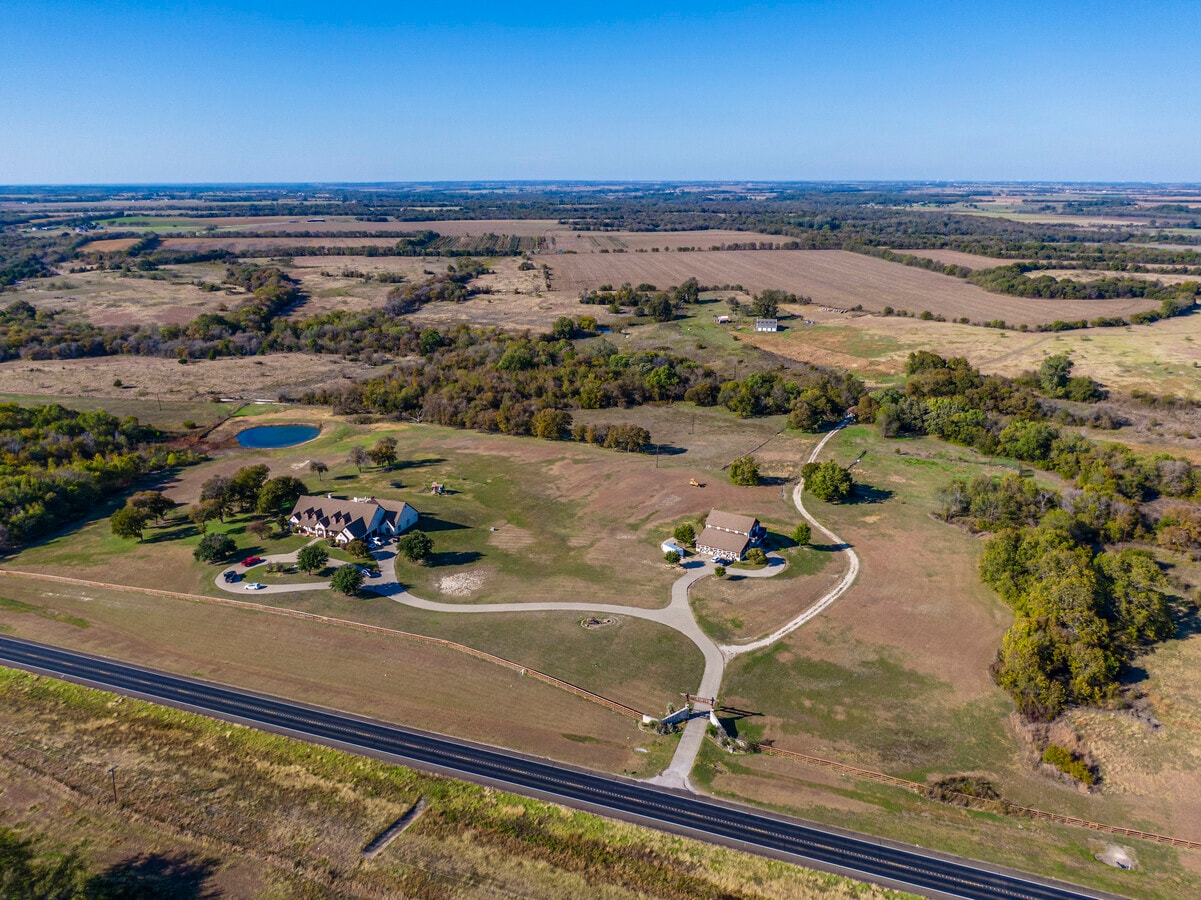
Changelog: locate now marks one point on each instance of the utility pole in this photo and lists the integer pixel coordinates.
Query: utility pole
(113, 773)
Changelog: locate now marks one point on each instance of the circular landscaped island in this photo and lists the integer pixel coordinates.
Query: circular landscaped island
(274, 437)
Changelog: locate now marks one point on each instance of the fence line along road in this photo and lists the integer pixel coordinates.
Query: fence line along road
(602, 701)
(346, 623)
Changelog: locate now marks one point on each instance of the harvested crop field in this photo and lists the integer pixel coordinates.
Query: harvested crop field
(466, 227)
(957, 258)
(273, 244)
(832, 278)
(107, 245)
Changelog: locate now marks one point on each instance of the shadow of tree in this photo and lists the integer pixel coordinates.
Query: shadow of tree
(830, 548)
(174, 876)
(454, 558)
(774, 480)
(866, 493)
(402, 464)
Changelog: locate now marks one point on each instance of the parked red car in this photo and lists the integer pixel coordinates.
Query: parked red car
(252, 561)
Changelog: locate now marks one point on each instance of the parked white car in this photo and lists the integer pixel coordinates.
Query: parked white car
(254, 586)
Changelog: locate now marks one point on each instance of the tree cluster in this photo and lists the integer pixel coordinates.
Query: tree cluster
(492, 381)
(828, 481)
(812, 400)
(56, 464)
(999, 416)
(1080, 615)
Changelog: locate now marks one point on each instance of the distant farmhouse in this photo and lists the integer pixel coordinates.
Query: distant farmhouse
(729, 535)
(767, 325)
(348, 520)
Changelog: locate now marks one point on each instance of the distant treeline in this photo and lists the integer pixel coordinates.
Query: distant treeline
(1014, 280)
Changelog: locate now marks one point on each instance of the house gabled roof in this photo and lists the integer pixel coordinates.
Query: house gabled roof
(355, 529)
(393, 509)
(731, 522)
(725, 541)
(333, 515)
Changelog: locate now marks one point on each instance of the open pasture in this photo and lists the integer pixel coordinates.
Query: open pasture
(476, 227)
(1094, 274)
(832, 278)
(508, 298)
(894, 676)
(1162, 357)
(150, 378)
(116, 298)
(399, 680)
(329, 282)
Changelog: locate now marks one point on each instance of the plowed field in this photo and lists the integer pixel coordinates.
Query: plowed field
(832, 278)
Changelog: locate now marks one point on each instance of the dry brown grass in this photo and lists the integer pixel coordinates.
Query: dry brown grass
(1094, 274)
(476, 227)
(110, 298)
(389, 678)
(326, 288)
(258, 815)
(1161, 358)
(149, 378)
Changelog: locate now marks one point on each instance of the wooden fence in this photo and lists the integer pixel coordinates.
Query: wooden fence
(344, 623)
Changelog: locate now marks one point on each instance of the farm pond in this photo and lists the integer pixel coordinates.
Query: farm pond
(273, 437)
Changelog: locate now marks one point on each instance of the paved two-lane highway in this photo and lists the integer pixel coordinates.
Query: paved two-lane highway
(861, 857)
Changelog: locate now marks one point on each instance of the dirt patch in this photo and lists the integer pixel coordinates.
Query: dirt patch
(461, 584)
(1117, 856)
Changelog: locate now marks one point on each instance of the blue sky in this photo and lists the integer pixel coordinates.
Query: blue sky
(108, 91)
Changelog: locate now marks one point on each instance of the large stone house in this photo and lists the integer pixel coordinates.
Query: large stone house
(346, 520)
(729, 535)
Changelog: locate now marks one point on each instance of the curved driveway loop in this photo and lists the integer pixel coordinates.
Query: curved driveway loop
(677, 614)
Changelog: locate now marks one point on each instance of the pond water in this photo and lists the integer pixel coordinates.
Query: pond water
(272, 437)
